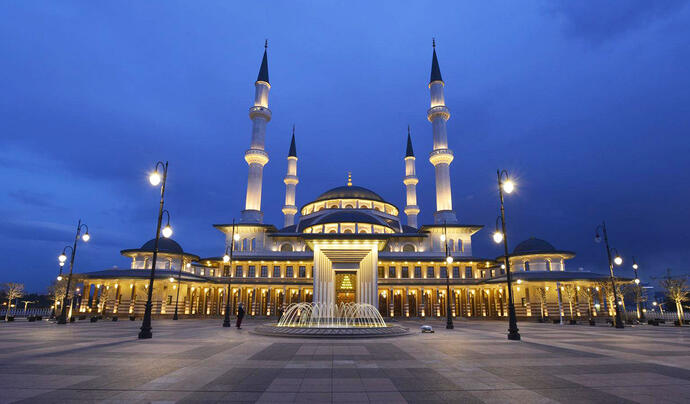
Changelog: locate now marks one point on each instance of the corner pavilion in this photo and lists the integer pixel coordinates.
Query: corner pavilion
(348, 245)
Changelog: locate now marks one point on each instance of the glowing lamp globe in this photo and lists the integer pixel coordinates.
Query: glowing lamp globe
(618, 260)
(62, 258)
(635, 266)
(508, 186)
(62, 264)
(59, 278)
(443, 237)
(167, 231)
(449, 259)
(637, 281)
(498, 237)
(226, 258)
(236, 237)
(155, 178)
(171, 279)
(86, 237)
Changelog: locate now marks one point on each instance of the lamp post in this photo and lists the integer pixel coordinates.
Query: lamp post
(155, 179)
(62, 258)
(506, 185)
(449, 260)
(618, 261)
(228, 258)
(638, 291)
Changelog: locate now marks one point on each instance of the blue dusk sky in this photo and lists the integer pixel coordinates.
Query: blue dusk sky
(585, 103)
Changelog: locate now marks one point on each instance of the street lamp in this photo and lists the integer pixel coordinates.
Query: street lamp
(233, 238)
(618, 260)
(155, 178)
(506, 185)
(62, 258)
(449, 260)
(638, 290)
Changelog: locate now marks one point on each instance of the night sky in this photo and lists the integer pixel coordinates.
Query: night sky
(587, 106)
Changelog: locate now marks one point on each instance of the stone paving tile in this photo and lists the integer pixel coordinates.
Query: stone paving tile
(199, 361)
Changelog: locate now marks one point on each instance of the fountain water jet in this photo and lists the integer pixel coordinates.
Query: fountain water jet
(325, 315)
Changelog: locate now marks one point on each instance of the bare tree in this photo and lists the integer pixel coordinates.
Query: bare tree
(589, 294)
(570, 292)
(12, 291)
(678, 292)
(541, 296)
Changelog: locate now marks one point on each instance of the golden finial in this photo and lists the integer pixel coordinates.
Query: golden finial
(349, 178)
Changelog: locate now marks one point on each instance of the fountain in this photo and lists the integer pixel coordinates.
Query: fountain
(330, 320)
(323, 315)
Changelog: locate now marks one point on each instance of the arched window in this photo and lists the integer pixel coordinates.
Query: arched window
(347, 231)
(287, 247)
(526, 266)
(548, 265)
(348, 206)
(335, 206)
(451, 245)
(332, 231)
(459, 245)
(408, 248)
(245, 244)
(362, 230)
(253, 247)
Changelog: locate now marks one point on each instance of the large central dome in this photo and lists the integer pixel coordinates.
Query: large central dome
(349, 192)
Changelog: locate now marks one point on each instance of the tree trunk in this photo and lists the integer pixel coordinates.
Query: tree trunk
(679, 310)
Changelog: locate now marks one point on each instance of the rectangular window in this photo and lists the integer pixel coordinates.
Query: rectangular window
(276, 271)
(418, 272)
(391, 272)
(493, 273)
(483, 274)
(468, 272)
(302, 272)
(524, 303)
(169, 299)
(288, 272)
(429, 272)
(264, 271)
(444, 272)
(226, 270)
(238, 271)
(456, 272)
(548, 265)
(405, 272)
(382, 272)
(252, 272)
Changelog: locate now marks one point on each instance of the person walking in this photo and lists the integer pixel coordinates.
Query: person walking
(240, 316)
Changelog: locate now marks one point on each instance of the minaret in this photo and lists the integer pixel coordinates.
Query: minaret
(256, 157)
(441, 156)
(290, 209)
(410, 181)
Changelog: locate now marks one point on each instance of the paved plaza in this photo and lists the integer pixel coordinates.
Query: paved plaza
(199, 361)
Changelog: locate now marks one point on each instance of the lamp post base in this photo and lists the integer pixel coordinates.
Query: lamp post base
(145, 333)
(514, 336)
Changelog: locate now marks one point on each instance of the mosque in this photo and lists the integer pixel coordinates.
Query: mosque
(348, 245)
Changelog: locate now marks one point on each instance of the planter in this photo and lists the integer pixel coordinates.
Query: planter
(31, 319)
(132, 318)
(10, 318)
(556, 321)
(114, 318)
(38, 318)
(94, 319)
(572, 322)
(592, 322)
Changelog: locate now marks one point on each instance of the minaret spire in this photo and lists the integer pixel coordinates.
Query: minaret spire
(349, 178)
(410, 180)
(256, 157)
(441, 156)
(291, 181)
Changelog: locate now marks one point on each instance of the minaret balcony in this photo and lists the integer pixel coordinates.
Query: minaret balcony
(256, 156)
(438, 111)
(260, 111)
(411, 210)
(410, 180)
(290, 210)
(291, 179)
(441, 156)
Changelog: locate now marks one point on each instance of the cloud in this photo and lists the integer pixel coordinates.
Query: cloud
(601, 21)
(30, 198)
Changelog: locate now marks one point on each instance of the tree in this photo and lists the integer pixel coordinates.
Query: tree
(570, 292)
(541, 296)
(12, 291)
(678, 292)
(589, 294)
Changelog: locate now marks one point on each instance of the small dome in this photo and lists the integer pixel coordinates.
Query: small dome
(349, 192)
(533, 246)
(165, 245)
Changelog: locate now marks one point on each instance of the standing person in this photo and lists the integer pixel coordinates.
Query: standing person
(240, 316)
